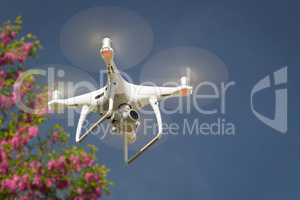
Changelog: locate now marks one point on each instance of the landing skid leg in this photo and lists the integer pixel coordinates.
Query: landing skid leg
(154, 103)
(105, 116)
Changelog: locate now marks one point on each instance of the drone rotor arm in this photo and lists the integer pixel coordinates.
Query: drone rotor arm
(103, 117)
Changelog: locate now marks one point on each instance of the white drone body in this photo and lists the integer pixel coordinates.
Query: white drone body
(119, 101)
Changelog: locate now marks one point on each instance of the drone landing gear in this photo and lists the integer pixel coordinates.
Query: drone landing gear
(154, 104)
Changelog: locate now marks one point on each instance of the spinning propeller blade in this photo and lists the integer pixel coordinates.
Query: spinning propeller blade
(81, 37)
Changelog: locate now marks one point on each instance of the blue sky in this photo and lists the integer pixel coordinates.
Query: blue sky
(253, 39)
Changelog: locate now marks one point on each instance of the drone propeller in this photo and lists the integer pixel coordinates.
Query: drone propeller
(66, 81)
(196, 65)
(81, 37)
(185, 80)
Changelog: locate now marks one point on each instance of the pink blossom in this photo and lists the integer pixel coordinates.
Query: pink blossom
(23, 184)
(36, 166)
(27, 47)
(75, 161)
(25, 179)
(13, 34)
(16, 91)
(37, 181)
(3, 142)
(16, 178)
(4, 167)
(79, 190)
(10, 184)
(21, 58)
(10, 57)
(61, 162)
(62, 184)
(90, 177)
(58, 164)
(49, 182)
(5, 102)
(3, 74)
(88, 161)
(51, 164)
(33, 131)
(98, 192)
(3, 155)
(22, 129)
(16, 141)
(5, 38)
(25, 140)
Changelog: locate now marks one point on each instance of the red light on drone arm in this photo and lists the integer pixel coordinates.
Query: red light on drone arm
(106, 50)
(185, 91)
(107, 54)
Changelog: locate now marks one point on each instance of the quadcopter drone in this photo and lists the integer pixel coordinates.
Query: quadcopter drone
(119, 102)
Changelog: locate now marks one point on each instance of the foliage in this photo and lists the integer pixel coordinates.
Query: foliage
(37, 163)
